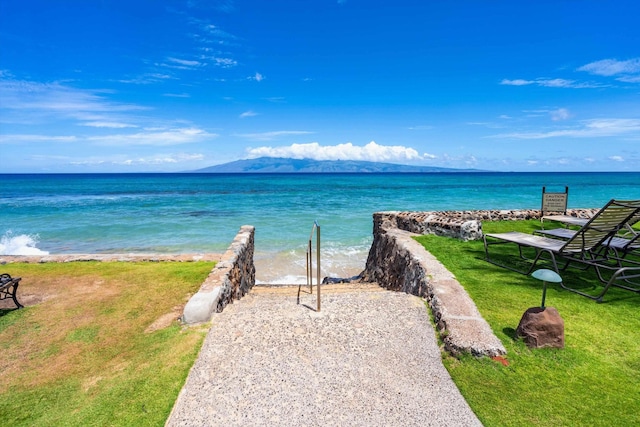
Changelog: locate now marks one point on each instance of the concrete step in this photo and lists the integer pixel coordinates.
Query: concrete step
(333, 288)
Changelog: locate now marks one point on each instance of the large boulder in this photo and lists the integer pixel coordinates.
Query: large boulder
(542, 327)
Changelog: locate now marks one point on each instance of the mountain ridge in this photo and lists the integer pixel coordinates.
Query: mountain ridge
(290, 165)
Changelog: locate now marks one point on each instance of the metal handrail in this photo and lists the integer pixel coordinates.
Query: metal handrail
(315, 228)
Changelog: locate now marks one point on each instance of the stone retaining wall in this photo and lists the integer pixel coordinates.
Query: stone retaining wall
(230, 279)
(396, 261)
(463, 225)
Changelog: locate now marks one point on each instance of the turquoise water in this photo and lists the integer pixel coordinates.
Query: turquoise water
(184, 213)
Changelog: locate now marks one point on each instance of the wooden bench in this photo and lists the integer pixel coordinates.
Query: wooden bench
(9, 288)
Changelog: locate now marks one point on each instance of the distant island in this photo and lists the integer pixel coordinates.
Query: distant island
(287, 165)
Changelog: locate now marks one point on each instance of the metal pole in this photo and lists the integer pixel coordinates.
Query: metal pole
(318, 262)
(310, 268)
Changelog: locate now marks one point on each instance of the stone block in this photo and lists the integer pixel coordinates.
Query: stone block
(230, 279)
(201, 306)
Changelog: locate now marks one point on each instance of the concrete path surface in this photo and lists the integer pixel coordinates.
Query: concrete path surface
(368, 358)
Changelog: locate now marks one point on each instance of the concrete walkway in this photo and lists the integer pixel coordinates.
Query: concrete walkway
(368, 358)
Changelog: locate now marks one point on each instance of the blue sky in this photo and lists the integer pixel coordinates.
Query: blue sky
(115, 86)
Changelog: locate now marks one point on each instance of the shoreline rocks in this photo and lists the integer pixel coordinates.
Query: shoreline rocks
(39, 259)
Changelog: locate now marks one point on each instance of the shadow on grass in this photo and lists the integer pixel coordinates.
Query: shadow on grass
(5, 311)
(511, 333)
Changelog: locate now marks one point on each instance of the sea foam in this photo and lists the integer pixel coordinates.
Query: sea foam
(22, 244)
(289, 267)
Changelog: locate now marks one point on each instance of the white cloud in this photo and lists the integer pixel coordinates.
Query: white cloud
(43, 103)
(517, 82)
(248, 114)
(612, 67)
(161, 159)
(617, 158)
(184, 62)
(257, 77)
(629, 79)
(369, 152)
(535, 113)
(156, 137)
(270, 136)
(27, 138)
(556, 83)
(40, 102)
(114, 125)
(590, 129)
(225, 62)
(613, 126)
(626, 71)
(560, 83)
(177, 95)
(560, 114)
(275, 99)
(87, 162)
(217, 32)
(147, 78)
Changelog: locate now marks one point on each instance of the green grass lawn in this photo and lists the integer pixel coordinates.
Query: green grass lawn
(593, 381)
(100, 344)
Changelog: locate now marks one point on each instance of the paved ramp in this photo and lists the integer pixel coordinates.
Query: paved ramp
(368, 358)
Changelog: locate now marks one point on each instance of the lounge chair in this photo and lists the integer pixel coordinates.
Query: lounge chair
(587, 247)
(625, 242)
(567, 220)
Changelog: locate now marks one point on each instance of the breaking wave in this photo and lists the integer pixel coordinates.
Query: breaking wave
(22, 244)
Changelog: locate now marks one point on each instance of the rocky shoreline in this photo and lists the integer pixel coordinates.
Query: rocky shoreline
(39, 259)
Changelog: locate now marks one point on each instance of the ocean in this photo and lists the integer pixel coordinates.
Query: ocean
(195, 213)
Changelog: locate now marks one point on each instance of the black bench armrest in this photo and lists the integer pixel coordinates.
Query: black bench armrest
(9, 288)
